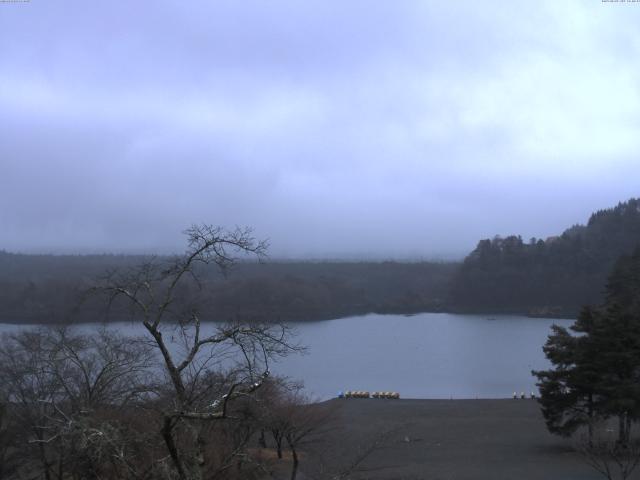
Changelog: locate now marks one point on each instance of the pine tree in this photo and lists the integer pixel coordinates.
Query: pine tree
(568, 391)
(596, 370)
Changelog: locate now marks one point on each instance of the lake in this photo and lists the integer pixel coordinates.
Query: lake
(428, 355)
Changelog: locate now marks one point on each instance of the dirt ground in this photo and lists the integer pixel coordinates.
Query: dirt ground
(444, 440)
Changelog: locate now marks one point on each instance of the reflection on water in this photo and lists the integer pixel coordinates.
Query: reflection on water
(429, 355)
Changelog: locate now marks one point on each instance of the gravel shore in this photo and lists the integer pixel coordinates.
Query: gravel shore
(449, 440)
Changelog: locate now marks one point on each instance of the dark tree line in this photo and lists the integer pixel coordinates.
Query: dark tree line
(551, 277)
(555, 276)
(51, 289)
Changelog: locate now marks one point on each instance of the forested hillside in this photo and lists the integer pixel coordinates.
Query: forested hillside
(50, 288)
(555, 276)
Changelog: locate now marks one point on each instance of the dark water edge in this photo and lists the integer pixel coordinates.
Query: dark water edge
(563, 315)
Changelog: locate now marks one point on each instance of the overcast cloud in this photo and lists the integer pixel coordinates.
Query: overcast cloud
(334, 128)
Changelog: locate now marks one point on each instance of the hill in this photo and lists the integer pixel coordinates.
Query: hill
(555, 276)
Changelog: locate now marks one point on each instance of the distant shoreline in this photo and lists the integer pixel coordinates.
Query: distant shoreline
(488, 315)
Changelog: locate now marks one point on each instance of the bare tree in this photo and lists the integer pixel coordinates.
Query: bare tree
(608, 456)
(239, 352)
(9, 458)
(61, 390)
(306, 422)
(294, 421)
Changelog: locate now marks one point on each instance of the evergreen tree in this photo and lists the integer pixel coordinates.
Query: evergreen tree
(618, 334)
(568, 392)
(596, 370)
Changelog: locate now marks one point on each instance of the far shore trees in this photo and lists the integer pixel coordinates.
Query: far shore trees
(555, 276)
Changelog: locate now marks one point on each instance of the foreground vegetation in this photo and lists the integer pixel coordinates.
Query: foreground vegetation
(176, 403)
(78, 406)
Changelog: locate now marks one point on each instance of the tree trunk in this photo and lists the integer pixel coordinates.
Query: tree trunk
(43, 459)
(278, 439)
(294, 456)
(620, 429)
(590, 421)
(167, 434)
(624, 425)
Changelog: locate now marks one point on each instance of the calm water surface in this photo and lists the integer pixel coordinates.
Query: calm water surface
(429, 355)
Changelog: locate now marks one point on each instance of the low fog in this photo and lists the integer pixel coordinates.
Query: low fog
(356, 129)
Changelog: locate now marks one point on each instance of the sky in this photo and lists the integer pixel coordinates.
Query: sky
(335, 129)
